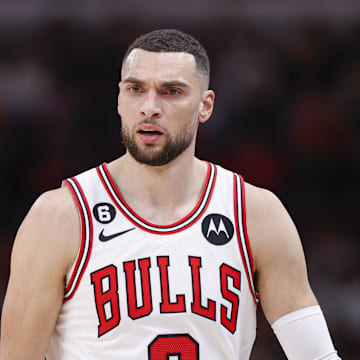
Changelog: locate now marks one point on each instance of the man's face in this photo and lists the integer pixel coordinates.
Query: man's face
(161, 103)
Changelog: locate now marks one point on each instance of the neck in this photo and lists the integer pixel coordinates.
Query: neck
(160, 194)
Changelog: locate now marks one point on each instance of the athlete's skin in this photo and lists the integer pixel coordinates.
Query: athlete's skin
(49, 238)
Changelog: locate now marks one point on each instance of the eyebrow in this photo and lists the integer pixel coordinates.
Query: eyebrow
(171, 83)
(168, 83)
(133, 80)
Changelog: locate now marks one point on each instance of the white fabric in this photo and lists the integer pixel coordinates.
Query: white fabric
(304, 335)
(76, 334)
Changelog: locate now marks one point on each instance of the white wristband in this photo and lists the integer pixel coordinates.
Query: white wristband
(304, 335)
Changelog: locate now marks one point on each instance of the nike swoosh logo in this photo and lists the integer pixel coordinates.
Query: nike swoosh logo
(105, 238)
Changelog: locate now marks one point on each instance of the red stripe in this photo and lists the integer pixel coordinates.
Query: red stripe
(82, 238)
(82, 235)
(154, 225)
(147, 222)
(245, 224)
(239, 239)
(112, 197)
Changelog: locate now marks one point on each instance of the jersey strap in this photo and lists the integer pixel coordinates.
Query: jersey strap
(86, 237)
(241, 232)
(180, 225)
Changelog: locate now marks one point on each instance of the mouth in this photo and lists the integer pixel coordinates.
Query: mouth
(149, 133)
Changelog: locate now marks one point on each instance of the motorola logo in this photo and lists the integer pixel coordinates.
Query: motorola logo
(217, 229)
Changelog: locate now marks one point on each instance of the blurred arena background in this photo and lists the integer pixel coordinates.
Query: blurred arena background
(287, 116)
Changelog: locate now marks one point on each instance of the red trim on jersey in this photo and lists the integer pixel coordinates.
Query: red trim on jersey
(242, 183)
(147, 222)
(82, 235)
(81, 254)
(239, 239)
(142, 220)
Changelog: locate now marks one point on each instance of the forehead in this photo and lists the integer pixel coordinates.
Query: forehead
(162, 65)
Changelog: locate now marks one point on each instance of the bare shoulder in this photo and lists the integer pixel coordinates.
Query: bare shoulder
(54, 205)
(258, 196)
(51, 226)
(262, 205)
(270, 228)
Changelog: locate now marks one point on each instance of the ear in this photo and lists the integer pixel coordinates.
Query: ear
(206, 105)
(118, 100)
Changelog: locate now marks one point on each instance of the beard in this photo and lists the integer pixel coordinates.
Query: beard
(154, 155)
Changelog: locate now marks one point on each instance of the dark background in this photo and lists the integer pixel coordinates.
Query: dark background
(287, 80)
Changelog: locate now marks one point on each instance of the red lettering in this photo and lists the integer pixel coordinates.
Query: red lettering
(105, 287)
(106, 321)
(135, 311)
(227, 272)
(166, 306)
(196, 307)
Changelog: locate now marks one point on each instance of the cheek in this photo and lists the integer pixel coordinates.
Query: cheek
(125, 108)
(119, 110)
(187, 110)
(120, 106)
(192, 113)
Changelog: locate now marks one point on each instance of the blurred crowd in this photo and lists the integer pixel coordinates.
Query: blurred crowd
(286, 117)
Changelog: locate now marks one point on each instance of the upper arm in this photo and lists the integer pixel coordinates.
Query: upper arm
(281, 273)
(44, 249)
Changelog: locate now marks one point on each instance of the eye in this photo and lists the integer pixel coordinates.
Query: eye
(173, 92)
(134, 89)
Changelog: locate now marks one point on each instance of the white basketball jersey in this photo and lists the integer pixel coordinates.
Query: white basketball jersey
(140, 291)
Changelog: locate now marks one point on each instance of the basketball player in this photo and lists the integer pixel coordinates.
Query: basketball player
(154, 255)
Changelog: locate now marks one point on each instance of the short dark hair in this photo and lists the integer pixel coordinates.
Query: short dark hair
(172, 40)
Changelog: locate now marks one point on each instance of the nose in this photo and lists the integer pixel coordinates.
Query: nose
(150, 107)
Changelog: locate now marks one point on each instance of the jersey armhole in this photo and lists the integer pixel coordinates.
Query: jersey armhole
(82, 258)
(241, 233)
